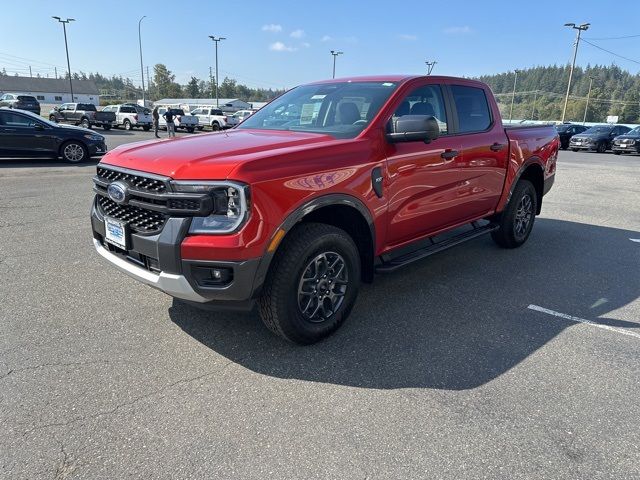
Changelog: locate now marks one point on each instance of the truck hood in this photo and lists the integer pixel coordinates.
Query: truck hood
(210, 156)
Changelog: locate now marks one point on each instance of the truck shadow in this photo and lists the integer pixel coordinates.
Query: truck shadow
(454, 321)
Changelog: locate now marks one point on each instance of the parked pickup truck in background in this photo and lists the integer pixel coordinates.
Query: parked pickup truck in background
(131, 116)
(239, 116)
(180, 119)
(83, 114)
(319, 190)
(210, 117)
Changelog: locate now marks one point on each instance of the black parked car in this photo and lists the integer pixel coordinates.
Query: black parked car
(566, 131)
(627, 143)
(24, 134)
(598, 138)
(23, 102)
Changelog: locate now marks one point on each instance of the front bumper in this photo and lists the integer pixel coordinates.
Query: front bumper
(583, 146)
(97, 149)
(155, 260)
(635, 148)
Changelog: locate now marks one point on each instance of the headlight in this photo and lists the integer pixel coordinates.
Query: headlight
(230, 210)
(94, 137)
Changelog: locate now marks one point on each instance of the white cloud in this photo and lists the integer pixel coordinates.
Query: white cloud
(326, 38)
(297, 33)
(281, 47)
(272, 27)
(405, 36)
(458, 30)
(306, 44)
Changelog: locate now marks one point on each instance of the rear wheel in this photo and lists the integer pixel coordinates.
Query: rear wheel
(106, 126)
(215, 126)
(85, 123)
(312, 284)
(146, 128)
(127, 125)
(516, 221)
(53, 118)
(191, 129)
(74, 152)
(617, 152)
(575, 149)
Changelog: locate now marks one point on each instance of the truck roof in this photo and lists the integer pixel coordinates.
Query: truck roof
(396, 78)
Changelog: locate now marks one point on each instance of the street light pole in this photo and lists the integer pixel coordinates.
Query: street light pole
(66, 46)
(430, 66)
(584, 120)
(335, 54)
(216, 40)
(580, 29)
(141, 67)
(513, 95)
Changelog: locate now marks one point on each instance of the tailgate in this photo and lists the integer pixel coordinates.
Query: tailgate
(105, 116)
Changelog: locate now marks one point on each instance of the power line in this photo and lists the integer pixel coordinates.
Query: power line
(614, 38)
(612, 53)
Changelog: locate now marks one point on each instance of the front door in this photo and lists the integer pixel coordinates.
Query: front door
(23, 135)
(424, 179)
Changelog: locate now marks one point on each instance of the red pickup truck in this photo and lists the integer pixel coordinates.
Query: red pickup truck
(316, 192)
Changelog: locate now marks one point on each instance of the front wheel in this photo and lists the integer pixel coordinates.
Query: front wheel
(74, 152)
(85, 123)
(516, 221)
(312, 284)
(146, 128)
(52, 118)
(617, 152)
(191, 129)
(575, 149)
(106, 126)
(602, 147)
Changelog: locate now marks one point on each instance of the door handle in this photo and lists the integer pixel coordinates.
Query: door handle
(449, 154)
(496, 147)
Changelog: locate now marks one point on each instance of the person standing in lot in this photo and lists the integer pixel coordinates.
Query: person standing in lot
(156, 120)
(171, 127)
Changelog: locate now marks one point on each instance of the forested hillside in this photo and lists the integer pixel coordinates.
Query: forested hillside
(540, 93)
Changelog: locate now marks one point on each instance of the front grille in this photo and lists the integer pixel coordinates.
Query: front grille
(139, 219)
(140, 182)
(183, 204)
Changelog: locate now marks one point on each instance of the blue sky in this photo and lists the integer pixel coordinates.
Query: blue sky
(284, 43)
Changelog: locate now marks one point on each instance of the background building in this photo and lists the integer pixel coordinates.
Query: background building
(51, 90)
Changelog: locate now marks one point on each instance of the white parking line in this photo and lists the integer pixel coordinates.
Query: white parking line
(583, 320)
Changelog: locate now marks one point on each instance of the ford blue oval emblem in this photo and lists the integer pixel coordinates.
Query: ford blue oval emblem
(117, 192)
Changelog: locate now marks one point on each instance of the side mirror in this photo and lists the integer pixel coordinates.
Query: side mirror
(414, 128)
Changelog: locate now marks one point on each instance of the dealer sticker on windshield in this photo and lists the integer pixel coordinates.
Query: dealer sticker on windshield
(115, 232)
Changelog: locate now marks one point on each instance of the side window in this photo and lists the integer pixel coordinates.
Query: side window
(427, 100)
(472, 108)
(58, 99)
(15, 120)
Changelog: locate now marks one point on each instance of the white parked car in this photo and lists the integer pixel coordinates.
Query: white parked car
(180, 119)
(210, 117)
(239, 116)
(131, 116)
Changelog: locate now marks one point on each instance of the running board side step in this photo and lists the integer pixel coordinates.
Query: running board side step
(434, 247)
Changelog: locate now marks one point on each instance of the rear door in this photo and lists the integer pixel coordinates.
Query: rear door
(482, 165)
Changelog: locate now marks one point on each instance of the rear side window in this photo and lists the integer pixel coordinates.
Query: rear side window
(472, 109)
(127, 110)
(216, 112)
(87, 107)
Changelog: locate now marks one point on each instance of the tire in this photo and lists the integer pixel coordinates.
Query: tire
(601, 148)
(127, 124)
(74, 152)
(85, 123)
(146, 128)
(617, 152)
(290, 305)
(52, 118)
(564, 145)
(106, 126)
(191, 129)
(575, 149)
(215, 126)
(200, 128)
(517, 219)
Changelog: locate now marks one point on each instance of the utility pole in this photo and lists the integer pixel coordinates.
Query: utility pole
(30, 74)
(55, 69)
(148, 81)
(211, 81)
(586, 107)
(141, 67)
(66, 46)
(580, 29)
(535, 99)
(430, 66)
(513, 95)
(335, 54)
(217, 40)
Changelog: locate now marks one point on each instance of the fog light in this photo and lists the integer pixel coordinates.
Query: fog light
(212, 276)
(217, 274)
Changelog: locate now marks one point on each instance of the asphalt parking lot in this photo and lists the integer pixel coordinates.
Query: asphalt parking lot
(475, 363)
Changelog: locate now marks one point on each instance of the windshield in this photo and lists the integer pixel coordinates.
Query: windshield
(341, 109)
(634, 133)
(598, 129)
